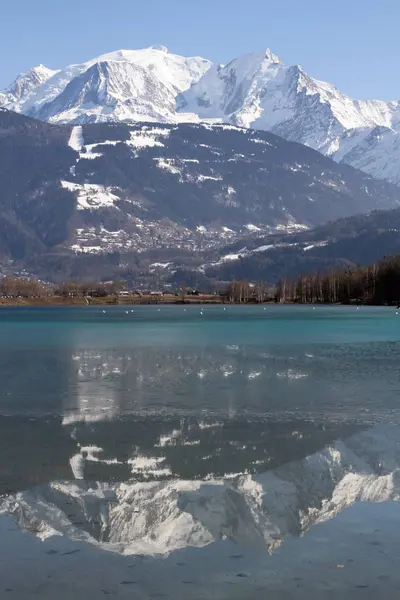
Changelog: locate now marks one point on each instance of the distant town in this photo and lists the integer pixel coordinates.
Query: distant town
(26, 291)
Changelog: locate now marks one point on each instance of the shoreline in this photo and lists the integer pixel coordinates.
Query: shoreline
(125, 301)
(166, 301)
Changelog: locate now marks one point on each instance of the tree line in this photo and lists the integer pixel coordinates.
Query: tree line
(23, 287)
(243, 292)
(377, 284)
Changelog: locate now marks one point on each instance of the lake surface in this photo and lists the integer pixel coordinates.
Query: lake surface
(162, 431)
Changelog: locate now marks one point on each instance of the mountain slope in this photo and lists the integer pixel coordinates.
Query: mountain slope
(34, 209)
(375, 151)
(192, 186)
(358, 240)
(104, 190)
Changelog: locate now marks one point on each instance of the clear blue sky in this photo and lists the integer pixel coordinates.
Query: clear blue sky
(354, 44)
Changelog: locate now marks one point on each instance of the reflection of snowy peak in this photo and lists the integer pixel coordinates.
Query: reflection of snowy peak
(164, 515)
(255, 90)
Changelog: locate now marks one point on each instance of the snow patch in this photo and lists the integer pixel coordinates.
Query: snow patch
(251, 227)
(315, 245)
(148, 137)
(76, 140)
(259, 141)
(91, 196)
(168, 164)
(201, 178)
(263, 248)
(159, 265)
(229, 257)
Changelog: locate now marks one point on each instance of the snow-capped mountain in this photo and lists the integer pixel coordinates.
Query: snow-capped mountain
(127, 85)
(259, 91)
(113, 90)
(256, 90)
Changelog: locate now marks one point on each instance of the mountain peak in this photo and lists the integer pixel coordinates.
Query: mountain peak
(41, 69)
(40, 73)
(160, 48)
(272, 57)
(26, 82)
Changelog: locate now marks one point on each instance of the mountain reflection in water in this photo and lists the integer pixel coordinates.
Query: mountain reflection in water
(247, 482)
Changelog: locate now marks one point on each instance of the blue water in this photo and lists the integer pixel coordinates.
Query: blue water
(326, 362)
(197, 325)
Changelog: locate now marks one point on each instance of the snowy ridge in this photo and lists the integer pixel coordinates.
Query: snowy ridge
(161, 516)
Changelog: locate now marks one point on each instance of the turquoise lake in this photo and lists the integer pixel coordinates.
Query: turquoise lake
(298, 402)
